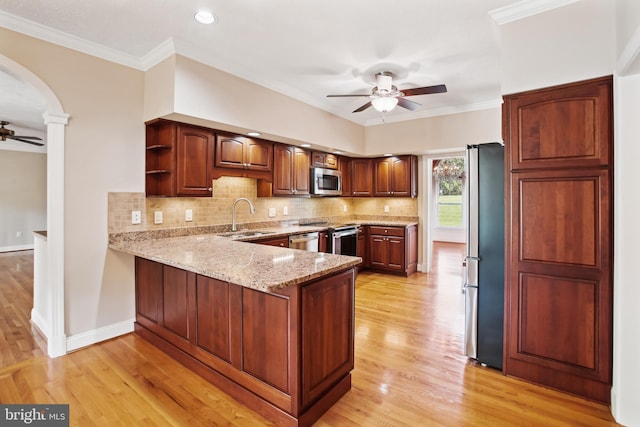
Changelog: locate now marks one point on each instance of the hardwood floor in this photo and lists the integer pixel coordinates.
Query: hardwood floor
(18, 341)
(409, 371)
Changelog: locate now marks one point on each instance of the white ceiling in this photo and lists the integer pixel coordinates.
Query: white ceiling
(304, 49)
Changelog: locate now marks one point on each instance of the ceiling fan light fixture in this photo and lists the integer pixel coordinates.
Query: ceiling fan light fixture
(384, 104)
(204, 17)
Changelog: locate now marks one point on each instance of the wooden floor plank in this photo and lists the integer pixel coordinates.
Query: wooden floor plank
(409, 369)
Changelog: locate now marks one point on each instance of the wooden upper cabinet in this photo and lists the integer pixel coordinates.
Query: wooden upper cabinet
(361, 178)
(324, 160)
(344, 165)
(291, 171)
(535, 124)
(178, 159)
(395, 176)
(195, 156)
(249, 157)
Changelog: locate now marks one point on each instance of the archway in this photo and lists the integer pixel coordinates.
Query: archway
(55, 120)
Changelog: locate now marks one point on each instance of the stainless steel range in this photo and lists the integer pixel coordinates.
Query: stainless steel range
(343, 239)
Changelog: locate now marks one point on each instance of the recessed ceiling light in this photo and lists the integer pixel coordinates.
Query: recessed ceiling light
(305, 145)
(204, 17)
(388, 154)
(337, 152)
(254, 133)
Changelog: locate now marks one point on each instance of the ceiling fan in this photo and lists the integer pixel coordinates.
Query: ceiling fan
(384, 96)
(10, 134)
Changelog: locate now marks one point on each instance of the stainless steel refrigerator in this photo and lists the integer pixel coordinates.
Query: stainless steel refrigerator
(483, 267)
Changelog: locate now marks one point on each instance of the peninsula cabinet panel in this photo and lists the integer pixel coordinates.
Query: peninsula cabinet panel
(175, 300)
(214, 317)
(265, 337)
(149, 290)
(562, 126)
(327, 334)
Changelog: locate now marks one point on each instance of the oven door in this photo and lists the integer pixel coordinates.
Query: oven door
(345, 242)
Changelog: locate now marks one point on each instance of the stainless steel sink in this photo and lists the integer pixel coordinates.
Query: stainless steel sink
(244, 234)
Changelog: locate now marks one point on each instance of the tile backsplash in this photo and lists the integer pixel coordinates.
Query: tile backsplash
(216, 210)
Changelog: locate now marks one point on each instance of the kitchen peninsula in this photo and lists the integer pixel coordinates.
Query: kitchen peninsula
(273, 327)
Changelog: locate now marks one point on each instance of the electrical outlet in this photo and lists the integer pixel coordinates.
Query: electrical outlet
(285, 210)
(188, 215)
(386, 208)
(157, 217)
(344, 208)
(272, 212)
(18, 233)
(136, 217)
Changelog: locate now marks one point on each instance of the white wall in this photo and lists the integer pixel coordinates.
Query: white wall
(626, 373)
(23, 198)
(573, 43)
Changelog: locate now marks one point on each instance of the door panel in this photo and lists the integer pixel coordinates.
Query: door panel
(559, 290)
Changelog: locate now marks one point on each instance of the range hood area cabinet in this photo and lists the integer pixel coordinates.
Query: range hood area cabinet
(178, 159)
(237, 155)
(395, 176)
(291, 169)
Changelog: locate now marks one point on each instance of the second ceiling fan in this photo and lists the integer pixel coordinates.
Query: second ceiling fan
(385, 96)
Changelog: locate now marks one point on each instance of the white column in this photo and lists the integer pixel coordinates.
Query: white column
(57, 341)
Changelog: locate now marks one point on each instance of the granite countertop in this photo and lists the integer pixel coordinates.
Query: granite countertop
(260, 267)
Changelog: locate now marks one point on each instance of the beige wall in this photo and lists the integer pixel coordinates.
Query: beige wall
(216, 210)
(104, 151)
(423, 136)
(23, 198)
(210, 97)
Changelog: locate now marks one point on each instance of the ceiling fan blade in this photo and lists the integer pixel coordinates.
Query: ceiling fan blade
(425, 90)
(343, 96)
(26, 140)
(364, 107)
(27, 137)
(409, 105)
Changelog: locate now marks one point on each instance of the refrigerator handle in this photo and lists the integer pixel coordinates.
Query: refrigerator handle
(464, 275)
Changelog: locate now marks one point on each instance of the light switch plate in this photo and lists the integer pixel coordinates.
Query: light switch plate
(386, 208)
(285, 210)
(157, 217)
(136, 217)
(272, 212)
(188, 215)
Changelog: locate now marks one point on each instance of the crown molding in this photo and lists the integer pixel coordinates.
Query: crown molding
(158, 54)
(33, 29)
(524, 9)
(629, 60)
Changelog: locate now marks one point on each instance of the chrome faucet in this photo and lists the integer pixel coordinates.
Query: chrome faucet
(233, 211)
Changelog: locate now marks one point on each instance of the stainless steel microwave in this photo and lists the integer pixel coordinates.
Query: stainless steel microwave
(326, 182)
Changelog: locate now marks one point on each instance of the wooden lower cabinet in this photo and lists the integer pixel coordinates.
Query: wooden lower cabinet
(286, 355)
(393, 249)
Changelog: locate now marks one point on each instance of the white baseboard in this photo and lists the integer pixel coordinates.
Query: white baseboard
(85, 339)
(16, 248)
(40, 323)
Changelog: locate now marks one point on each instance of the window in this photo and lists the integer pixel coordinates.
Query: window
(449, 181)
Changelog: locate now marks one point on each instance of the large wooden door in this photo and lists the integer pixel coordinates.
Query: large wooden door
(559, 290)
